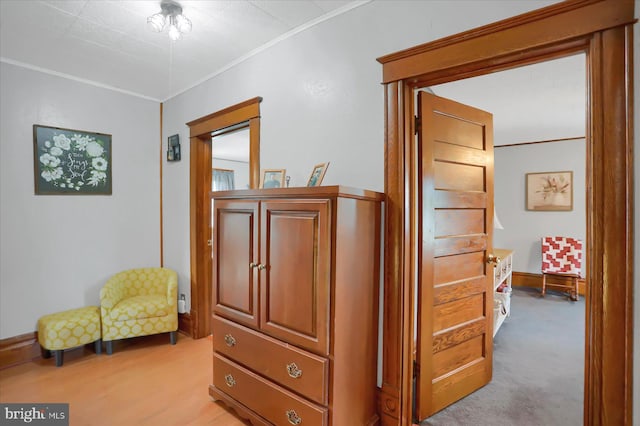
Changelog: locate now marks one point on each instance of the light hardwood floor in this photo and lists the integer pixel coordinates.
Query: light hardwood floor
(145, 382)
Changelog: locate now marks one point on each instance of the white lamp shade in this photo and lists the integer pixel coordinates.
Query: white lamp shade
(156, 22)
(183, 24)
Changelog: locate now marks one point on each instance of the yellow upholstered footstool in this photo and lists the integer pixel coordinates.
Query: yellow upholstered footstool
(68, 329)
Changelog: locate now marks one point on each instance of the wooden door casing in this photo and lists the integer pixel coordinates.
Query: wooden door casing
(200, 201)
(295, 281)
(603, 29)
(454, 345)
(235, 248)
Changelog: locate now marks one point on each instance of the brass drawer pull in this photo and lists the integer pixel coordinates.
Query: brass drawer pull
(229, 340)
(253, 265)
(231, 382)
(293, 417)
(262, 267)
(293, 370)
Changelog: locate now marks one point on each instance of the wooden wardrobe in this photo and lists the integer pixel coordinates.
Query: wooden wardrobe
(295, 304)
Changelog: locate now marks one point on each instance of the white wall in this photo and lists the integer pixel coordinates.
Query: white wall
(323, 100)
(57, 251)
(522, 228)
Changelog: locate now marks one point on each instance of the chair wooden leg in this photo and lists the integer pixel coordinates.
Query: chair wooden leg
(575, 289)
(173, 337)
(544, 284)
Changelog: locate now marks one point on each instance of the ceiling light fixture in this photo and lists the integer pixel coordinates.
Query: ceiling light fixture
(172, 16)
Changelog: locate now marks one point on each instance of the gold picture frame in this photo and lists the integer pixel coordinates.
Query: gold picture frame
(549, 191)
(319, 170)
(272, 178)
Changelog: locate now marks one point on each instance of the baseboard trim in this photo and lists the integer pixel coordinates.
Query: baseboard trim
(527, 279)
(19, 349)
(389, 405)
(24, 348)
(184, 324)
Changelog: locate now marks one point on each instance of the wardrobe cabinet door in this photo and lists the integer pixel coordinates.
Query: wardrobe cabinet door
(235, 261)
(295, 272)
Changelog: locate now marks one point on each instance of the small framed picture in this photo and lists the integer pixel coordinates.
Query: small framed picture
(173, 148)
(272, 178)
(317, 174)
(549, 191)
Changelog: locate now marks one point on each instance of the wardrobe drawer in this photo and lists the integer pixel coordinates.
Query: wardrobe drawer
(293, 368)
(265, 398)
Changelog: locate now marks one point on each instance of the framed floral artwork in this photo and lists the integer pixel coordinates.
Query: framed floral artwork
(70, 161)
(549, 191)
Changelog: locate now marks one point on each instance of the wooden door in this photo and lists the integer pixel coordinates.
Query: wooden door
(295, 272)
(455, 293)
(235, 261)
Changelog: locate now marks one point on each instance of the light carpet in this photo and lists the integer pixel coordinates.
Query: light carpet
(538, 368)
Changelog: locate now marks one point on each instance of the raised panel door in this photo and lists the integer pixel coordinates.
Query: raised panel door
(235, 261)
(295, 273)
(455, 309)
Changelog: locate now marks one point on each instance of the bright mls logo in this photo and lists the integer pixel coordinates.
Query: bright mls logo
(35, 414)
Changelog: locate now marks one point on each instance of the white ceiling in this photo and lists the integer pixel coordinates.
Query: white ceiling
(544, 101)
(108, 42)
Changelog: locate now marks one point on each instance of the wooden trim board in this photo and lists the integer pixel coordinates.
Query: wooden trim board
(19, 349)
(25, 348)
(244, 111)
(578, 138)
(184, 324)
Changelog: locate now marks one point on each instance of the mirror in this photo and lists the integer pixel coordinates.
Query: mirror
(230, 158)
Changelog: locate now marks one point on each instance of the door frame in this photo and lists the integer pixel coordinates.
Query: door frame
(200, 200)
(603, 30)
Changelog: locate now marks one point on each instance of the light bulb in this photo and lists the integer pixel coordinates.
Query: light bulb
(174, 33)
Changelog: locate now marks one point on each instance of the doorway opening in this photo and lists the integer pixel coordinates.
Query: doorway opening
(603, 30)
(538, 112)
(202, 132)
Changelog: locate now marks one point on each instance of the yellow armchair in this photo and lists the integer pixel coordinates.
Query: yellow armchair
(139, 302)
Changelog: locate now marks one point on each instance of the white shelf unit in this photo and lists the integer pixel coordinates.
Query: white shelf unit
(502, 273)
